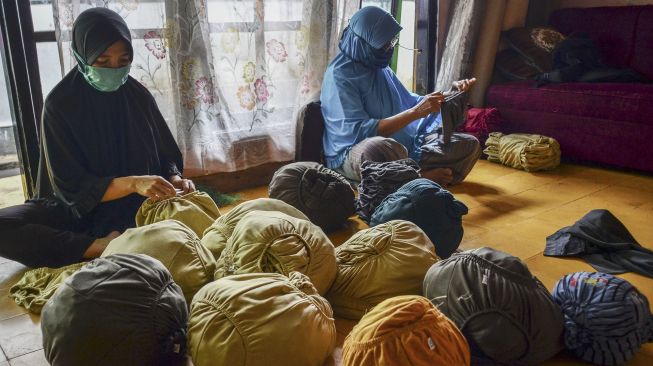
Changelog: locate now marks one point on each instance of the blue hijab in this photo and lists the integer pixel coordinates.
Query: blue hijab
(359, 89)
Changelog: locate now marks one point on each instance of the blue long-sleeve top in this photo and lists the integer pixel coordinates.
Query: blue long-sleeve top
(359, 89)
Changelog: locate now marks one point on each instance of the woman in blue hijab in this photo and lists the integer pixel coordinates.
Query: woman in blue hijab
(369, 114)
(105, 148)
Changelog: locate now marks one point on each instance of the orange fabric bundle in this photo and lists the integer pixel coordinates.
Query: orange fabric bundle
(405, 330)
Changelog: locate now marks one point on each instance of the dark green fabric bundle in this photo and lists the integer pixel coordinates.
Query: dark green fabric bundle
(320, 193)
(121, 310)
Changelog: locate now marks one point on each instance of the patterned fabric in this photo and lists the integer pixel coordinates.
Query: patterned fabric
(378, 180)
(229, 75)
(607, 320)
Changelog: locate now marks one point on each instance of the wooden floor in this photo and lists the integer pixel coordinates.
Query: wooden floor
(510, 210)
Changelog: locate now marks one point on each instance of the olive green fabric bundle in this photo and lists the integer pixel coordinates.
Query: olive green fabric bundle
(196, 209)
(176, 246)
(387, 260)
(261, 319)
(273, 242)
(215, 237)
(38, 285)
(523, 151)
(325, 196)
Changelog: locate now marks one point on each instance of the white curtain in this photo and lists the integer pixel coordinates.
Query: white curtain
(228, 75)
(464, 19)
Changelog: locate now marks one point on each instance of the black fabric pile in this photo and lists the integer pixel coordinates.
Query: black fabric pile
(378, 180)
(604, 242)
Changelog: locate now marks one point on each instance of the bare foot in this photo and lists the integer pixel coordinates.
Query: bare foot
(441, 176)
(99, 245)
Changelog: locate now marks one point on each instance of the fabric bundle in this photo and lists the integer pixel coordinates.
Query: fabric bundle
(261, 319)
(273, 242)
(523, 151)
(459, 155)
(480, 122)
(196, 209)
(323, 195)
(505, 313)
(607, 320)
(378, 180)
(120, 310)
(38, 285)
(175, 246)
(604, 242)
(379, 263)
(216, 236)
(432, 208)
(405, 331)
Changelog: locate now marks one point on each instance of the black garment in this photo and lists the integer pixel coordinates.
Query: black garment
(43, 233)
(89, 137)
(453, 114)
(604, 242)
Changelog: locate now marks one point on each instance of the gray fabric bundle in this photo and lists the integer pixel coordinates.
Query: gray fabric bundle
(378, 180)
(122, 310)
(320, 193)
(607, 319)
(459, 154)
(505, 312)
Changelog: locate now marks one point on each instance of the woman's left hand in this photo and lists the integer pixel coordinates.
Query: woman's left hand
(463, 85)
(185, 185)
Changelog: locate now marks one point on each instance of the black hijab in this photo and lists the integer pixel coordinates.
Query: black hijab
(89, 137)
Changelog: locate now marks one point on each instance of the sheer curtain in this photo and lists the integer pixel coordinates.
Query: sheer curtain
(464, 19)
(228, 75)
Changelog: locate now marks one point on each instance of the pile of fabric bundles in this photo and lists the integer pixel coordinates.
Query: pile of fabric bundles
(523, 151)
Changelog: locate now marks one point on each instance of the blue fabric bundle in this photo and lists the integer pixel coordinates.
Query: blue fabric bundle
(606, 318)
(429, 206)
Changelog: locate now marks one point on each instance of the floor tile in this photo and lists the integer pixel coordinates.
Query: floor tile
(10, 273)
(8, 307)
(36, 358)
(2, 357)
(4, 363)
(20, 335)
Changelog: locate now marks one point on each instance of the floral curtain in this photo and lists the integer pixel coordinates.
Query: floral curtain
(228, 75)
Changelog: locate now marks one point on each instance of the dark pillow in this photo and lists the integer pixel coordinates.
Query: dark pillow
(512, 66)
(535, 45)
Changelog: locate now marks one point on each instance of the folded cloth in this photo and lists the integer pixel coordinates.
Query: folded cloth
(405, 331)
(124, 310)
(607, 319)
(216, 236)
(378, 180)
(379, 263)
(453, 114)
(197, 210)
(38, 285)
(269, 241)
(504, 311)
(176, 246)
(325, 196)
(480, 122)
(523, 151)
(431, 207)
(261, 319)
(604, 242)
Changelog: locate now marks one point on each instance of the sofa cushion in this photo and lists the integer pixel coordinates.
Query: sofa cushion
(642, 60)
(613, 28)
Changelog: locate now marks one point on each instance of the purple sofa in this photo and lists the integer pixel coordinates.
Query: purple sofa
(607, 123)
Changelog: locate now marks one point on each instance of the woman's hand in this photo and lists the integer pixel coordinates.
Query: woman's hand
(185, 185)
(429, 104)
(463, 85)
(153, 187)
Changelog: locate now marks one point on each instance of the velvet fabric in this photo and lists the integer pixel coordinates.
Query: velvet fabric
(608, 123)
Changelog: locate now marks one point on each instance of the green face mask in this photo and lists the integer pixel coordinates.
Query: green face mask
(103, 79)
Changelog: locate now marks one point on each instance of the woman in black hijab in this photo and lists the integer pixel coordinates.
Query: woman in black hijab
(105, 147)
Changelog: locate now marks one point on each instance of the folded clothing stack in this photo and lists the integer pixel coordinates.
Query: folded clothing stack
(523, 151)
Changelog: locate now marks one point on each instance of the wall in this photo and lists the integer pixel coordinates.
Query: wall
(595, 3)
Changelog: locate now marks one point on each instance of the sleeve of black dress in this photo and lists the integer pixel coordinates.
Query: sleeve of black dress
(71, 181)
(170, 158)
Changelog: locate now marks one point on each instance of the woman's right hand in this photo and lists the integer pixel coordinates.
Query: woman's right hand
(153, 187)
(429, 104)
